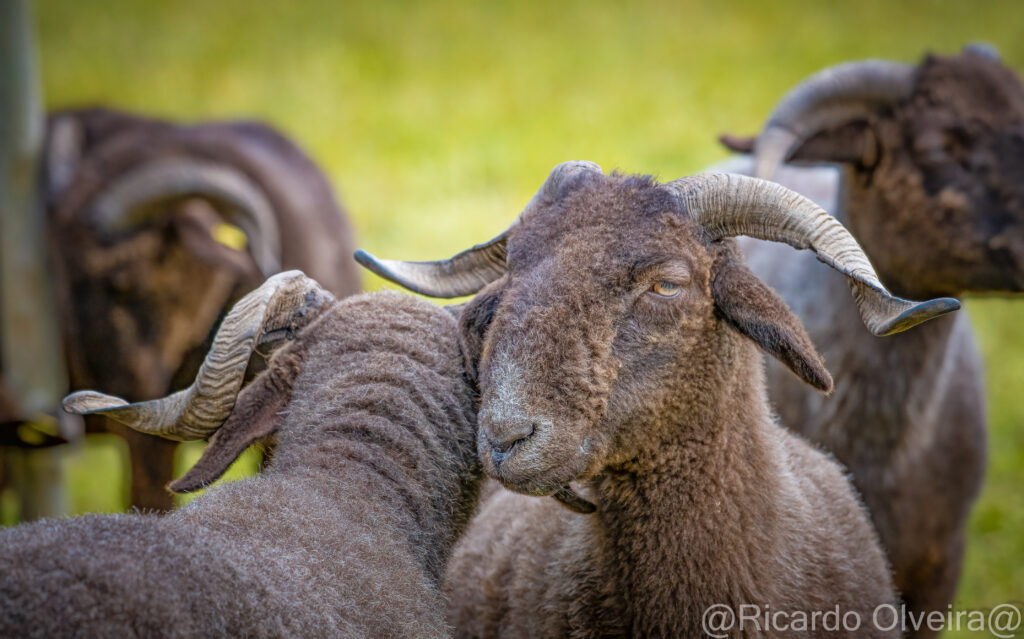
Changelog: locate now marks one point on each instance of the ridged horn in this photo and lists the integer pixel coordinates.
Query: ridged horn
(728, 205)
(471, 270)
(134, 197)
(282, 302)
(462, 274)
(830, 97)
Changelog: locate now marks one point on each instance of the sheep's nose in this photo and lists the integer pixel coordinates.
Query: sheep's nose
(501, 446)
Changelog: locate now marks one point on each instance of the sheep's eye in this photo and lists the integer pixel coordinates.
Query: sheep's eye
(665, 289)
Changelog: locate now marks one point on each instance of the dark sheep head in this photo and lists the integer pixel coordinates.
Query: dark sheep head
(611, 300)
(935, 165)
(153, 237)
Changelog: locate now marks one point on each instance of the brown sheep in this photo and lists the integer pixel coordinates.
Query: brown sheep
(932, 185)
(615, 343)
(345, 534)
(144, 219)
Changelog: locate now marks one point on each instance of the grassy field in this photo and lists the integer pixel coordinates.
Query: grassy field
(437, 120)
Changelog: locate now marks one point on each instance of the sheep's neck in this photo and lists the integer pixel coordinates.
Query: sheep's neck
(430, 499)
(889, 392)
(379, 431)
(889, 410)
(693, 506)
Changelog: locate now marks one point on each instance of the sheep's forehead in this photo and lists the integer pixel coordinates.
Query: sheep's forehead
(973, 87)
(610, 224)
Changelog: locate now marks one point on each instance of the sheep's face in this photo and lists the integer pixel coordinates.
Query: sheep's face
(147, 259)
(935, 185)
(943, 207)
(141, 306)
(605, 313)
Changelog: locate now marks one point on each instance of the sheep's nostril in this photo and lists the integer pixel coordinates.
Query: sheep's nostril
(504, 447)
(501, 448)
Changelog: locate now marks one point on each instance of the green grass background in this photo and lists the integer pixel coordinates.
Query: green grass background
(436, 121)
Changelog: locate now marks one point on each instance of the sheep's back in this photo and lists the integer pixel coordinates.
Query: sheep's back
(122, 575)
(271, 564)
(382, 394)
(346, 534)
(322, 569)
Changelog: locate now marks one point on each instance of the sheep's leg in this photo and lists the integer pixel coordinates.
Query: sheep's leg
(930, 583)
(152, 466)
(38, 481)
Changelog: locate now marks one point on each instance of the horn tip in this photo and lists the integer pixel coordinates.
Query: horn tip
(377, 267)
(386, 270)
(364, 258)
(917, 314)
(88, 401)
(183, 485)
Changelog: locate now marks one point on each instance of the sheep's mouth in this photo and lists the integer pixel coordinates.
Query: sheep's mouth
(539, 463)
(565, 495)
(521, 476)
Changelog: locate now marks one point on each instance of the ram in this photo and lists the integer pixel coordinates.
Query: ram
(155, 229)
(930, 180)
(346, 533)
(614, 338)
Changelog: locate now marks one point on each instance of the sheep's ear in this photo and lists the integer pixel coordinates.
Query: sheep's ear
(738, 143)
(851, 143)
(476, 316)
(755, 310)
(256, 415)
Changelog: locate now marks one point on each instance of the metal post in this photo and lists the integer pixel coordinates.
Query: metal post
(30, 340)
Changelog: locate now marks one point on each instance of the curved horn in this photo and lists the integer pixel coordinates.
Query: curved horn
(828, 98)
(727, 205)
(462, 274)
(471, 270)
(282, 302)
(131, 199)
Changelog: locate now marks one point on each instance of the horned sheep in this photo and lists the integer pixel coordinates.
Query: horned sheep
(613, 339)
(346, 533)
(927, 174)
(155, 229)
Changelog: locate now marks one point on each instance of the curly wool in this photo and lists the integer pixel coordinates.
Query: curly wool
(657, 407)
(346, 533)
(939, 212)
